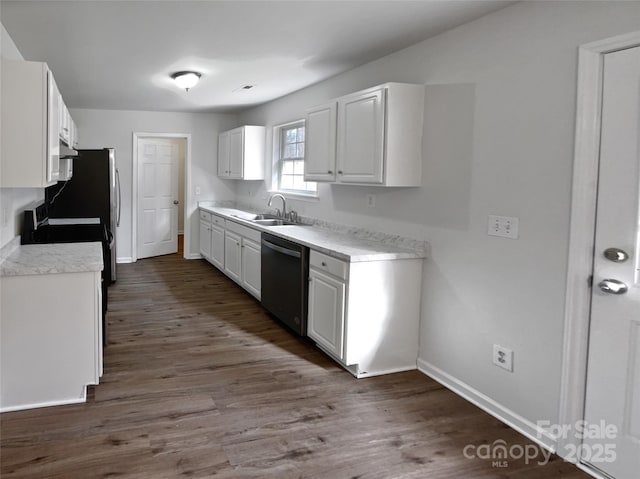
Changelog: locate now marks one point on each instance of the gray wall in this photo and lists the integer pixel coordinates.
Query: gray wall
(109, 128)
(498, 139)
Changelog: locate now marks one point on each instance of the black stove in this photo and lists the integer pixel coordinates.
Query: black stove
(38, 228)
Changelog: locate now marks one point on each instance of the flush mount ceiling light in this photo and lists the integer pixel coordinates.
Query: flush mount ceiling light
(186, 79)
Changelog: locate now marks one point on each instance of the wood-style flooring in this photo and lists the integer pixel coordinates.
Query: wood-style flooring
(200, 382)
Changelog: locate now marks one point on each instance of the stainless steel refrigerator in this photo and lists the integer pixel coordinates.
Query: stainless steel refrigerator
(92, 192)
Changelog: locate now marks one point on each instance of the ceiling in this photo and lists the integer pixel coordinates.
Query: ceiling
(119, 55)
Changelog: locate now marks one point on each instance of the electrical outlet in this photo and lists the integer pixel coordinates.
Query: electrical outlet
(504, 226)
(5, 217)
(503, 357)
(371, 201)
(197, 190)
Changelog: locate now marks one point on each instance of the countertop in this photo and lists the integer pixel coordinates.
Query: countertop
(337, 244)
(52, 258)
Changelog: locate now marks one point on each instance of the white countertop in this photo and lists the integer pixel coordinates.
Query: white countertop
(333, 243)
(53, 258)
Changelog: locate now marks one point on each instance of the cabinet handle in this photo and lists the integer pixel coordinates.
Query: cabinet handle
(324, 264)
(330, 172)
(339, 172)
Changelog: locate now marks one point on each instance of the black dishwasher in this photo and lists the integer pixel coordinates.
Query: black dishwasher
(285, 283)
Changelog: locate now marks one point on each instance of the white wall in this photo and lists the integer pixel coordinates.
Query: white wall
(13, 200)
(498, 139)
(109, 128)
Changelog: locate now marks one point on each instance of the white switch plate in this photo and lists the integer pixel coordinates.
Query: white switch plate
(197, 190)
(371, 201)
(503, 357)
(5, 217)
(504, 226)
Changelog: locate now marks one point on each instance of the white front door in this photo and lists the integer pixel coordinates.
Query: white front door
(157, 228)
(613, 375)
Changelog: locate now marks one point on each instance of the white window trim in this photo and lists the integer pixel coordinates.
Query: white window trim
(275, 158)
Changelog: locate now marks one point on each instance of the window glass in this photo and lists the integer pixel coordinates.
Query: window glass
(289, 163)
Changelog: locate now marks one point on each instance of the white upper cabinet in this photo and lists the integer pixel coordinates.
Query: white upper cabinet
(320, 143)
(241, 153)
(30, 125)
(376, 140)
(361, 137)
(223, 154)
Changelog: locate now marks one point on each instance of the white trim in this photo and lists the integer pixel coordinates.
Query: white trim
(582, 228)
(510, 418)
(188, 206)
(124, 260)
(296, 196)
(61, 402)
(193, 256)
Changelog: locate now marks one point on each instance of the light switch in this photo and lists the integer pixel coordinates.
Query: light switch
(197, 190)
(504, 226)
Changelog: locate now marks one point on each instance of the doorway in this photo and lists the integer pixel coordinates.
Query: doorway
(161, 162)
(601, 358)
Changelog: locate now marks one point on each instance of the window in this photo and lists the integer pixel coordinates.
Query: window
(289, 160)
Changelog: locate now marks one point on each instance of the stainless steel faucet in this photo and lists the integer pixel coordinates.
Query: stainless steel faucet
(284, 203)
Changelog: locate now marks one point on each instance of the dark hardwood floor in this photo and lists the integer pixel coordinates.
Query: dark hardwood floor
(200, 382)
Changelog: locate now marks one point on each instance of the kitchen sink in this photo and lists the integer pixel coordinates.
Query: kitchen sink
(267, 220)
(273, 222)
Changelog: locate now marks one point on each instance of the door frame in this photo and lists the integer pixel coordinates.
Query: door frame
(582, 235)
(187, 189)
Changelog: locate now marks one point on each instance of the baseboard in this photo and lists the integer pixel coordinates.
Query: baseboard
(124, 260)
(507, 416)
(193, 256)
(44, 404)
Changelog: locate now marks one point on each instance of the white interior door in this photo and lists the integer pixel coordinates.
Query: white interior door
(613, 375)
(157, 228)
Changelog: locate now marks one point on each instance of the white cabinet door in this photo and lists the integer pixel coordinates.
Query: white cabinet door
(251, 267)
(217, 246)
(223, 154)
(232, 255)
(320, 143)
(53, 129)
(361, 137)
(236, 153)
(326, 312)
(205, 239)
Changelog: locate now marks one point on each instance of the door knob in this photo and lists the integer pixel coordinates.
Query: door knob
(612, 286)
(616, 255)
(175, 202)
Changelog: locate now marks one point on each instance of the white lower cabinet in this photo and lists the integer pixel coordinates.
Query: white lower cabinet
(232, 255)
(326, 311)
(232, 248)
(251, 266)
(205, 239)
(365, 314)
(217, 246)
(50, 349)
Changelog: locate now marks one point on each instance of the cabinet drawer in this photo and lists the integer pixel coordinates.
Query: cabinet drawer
(205, 216)
(217, 220)
(326, 263)
(244, 231)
